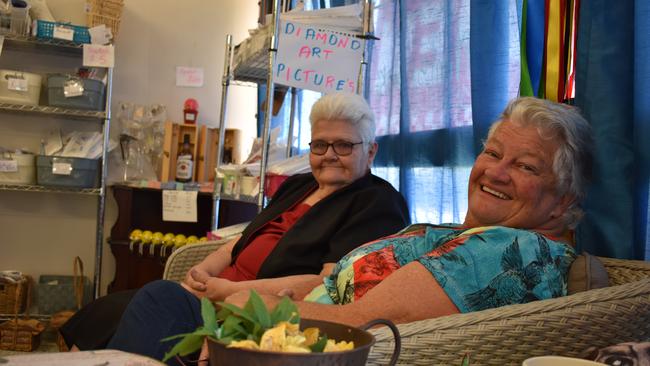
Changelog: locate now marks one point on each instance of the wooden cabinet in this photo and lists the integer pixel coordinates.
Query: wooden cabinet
(141, 208)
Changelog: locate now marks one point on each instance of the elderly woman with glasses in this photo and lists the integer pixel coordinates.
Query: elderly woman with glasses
(311, 222)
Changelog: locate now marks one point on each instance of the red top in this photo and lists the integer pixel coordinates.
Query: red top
(249, 261)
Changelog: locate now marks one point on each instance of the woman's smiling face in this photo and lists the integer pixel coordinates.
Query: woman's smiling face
(512, 182)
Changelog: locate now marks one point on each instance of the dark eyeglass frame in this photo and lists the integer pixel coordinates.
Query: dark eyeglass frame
(345, 145)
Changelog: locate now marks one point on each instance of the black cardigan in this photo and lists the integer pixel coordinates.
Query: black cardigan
(363, 211)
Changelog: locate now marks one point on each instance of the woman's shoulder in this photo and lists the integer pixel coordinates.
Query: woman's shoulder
(508, 236)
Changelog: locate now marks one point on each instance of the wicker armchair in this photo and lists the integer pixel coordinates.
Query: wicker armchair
(508, 335)
(183, 258)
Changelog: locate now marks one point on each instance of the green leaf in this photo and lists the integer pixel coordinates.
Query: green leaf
(232, 327)
(256, 306)
(285, 310)
(238, 311)
(465, 360)
(319, 346)
(176, 336)
(190, 344)
(208, 313)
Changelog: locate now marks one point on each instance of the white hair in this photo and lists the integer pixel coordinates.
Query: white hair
(348, 107)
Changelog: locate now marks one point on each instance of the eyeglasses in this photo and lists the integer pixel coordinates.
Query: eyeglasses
(341, 148)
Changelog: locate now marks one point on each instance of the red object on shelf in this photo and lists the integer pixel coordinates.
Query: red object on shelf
(190, 110)
(272, 182)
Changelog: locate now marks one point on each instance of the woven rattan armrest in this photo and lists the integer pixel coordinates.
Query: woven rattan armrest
(508, 335)
(187, 256)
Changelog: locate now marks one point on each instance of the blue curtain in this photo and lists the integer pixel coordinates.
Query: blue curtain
(441, 73)
(612, 88)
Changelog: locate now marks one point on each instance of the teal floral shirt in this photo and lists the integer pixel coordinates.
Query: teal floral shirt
(479, 268)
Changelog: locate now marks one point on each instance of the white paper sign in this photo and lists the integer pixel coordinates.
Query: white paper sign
(96, 55)
(189, 76)
(17, 84)
(61, 168)
(179, 206)
(8, 166)
(63, 33)
(317, 59)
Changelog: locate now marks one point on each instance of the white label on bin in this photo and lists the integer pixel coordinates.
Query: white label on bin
(61, 168)
(17, 84)
(73, 88)
(63, 33)
(8, 166)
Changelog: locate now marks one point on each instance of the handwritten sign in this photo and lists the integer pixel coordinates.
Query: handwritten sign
(96, 55)
(189, 76)
(318, 59)
(179, 206)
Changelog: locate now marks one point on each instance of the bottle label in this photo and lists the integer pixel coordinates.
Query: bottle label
(184, 166)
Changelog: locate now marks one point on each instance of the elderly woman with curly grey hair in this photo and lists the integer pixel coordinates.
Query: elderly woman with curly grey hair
(524, 196)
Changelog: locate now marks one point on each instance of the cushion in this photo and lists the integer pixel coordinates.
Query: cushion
(587, 272)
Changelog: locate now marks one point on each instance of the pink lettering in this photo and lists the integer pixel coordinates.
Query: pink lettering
(329, 81)
(304, 51)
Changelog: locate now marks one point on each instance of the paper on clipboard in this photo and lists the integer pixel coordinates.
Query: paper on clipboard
(179, 206)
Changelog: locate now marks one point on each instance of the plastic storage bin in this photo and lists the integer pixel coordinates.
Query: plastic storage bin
(67, 172)
(45, 30)
(91, 98)
(57, 293)
(17, 87)
(17, 169)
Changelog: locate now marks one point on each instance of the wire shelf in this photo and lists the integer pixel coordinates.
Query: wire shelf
(53, 111)
(41, 317)
(37, 188)
(27, 43)
(240, 198)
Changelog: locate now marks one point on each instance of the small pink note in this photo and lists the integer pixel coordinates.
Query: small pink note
(96, 55)
(189, 76)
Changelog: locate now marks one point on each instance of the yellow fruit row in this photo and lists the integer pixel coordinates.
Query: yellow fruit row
(158, 238)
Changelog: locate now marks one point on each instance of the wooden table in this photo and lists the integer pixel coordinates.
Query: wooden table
(85, 358)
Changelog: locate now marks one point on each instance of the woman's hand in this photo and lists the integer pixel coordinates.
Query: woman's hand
(196, 279)
(217, 289)
(240, 298)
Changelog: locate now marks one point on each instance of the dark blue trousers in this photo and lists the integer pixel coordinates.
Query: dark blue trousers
(159, 309)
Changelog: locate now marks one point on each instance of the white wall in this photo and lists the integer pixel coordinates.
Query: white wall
(40, 233)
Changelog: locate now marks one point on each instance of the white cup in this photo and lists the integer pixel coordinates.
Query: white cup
(558, 361)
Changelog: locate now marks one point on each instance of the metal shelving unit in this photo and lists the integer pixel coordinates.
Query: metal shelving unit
(26, 44)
